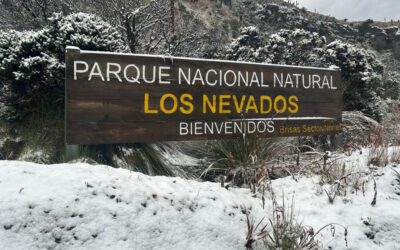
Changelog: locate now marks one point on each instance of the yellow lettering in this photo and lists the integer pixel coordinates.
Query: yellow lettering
(207, 103)
(239, 107)
(251, 105)
(294, 106)
(224, 103)
(284, 106)
(174, 103)
(264, 98)
(147, 110)
(186, 100)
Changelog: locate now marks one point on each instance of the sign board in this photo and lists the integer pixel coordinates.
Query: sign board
(124, 98)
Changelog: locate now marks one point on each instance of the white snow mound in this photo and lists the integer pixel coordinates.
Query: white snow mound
(71, 206)
(81, 206)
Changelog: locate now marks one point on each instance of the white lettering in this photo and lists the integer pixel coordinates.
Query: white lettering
(76, 70)
(277, 80)
(113, 72)
(183, 128)
(161, 75)
(132, 79)
(207, 77)
(95, 72)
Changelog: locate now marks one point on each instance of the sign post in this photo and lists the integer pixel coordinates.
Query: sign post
(125, 98)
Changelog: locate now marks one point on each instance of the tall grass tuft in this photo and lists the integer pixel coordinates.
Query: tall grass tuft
(378, 155)
(241, 161)
(397, 176)
(339, 179)
(394, 155)
(143, 158)
(285, 231)
(139, 157)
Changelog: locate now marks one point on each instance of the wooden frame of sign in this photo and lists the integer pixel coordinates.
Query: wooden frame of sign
(125, 98)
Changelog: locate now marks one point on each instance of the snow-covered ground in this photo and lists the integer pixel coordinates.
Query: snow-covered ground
(98, 207)
(80, 206)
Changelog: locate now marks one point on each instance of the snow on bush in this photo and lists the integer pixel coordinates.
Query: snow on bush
(361, 71)
(244, 47)
(291, 47)
(392, 85)
(32, 63)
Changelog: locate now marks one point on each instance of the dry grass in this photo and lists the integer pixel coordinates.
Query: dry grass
(378, 148)
(391, 125)
(396, 174)
(338, 178)
(378, 155)
(358, 130)
(285, 231)
(241, 162)
(394, 155)
(397, 177)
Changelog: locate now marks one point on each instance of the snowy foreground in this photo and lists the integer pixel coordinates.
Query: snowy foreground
(79, 206)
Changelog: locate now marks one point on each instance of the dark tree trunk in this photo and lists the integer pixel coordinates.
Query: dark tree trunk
(130, 25)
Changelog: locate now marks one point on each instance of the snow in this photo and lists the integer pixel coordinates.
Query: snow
(354, 212)
(69, 206)
(80, 205)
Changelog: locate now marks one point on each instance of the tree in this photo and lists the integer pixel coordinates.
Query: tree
(32, 13)
(153, 26)
(139, 20)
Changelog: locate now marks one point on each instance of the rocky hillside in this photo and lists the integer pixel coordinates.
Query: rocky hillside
(273, 15)
(223, 21)
(227, 17)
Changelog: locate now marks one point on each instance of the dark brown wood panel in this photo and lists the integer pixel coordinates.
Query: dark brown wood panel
(105, 98)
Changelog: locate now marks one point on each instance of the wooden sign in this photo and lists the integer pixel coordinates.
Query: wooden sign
(124, 98)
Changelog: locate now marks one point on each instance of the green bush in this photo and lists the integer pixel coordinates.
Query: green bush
(361, 71)
(32, 63)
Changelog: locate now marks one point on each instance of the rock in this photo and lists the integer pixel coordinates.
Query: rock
(396, 45)
(391, 31)
(290, 17)
(381, 41)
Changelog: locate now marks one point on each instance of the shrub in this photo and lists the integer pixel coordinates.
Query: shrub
(32, 63)
(361, 71)
(358, 130)
(392, 86)
(292, 47)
